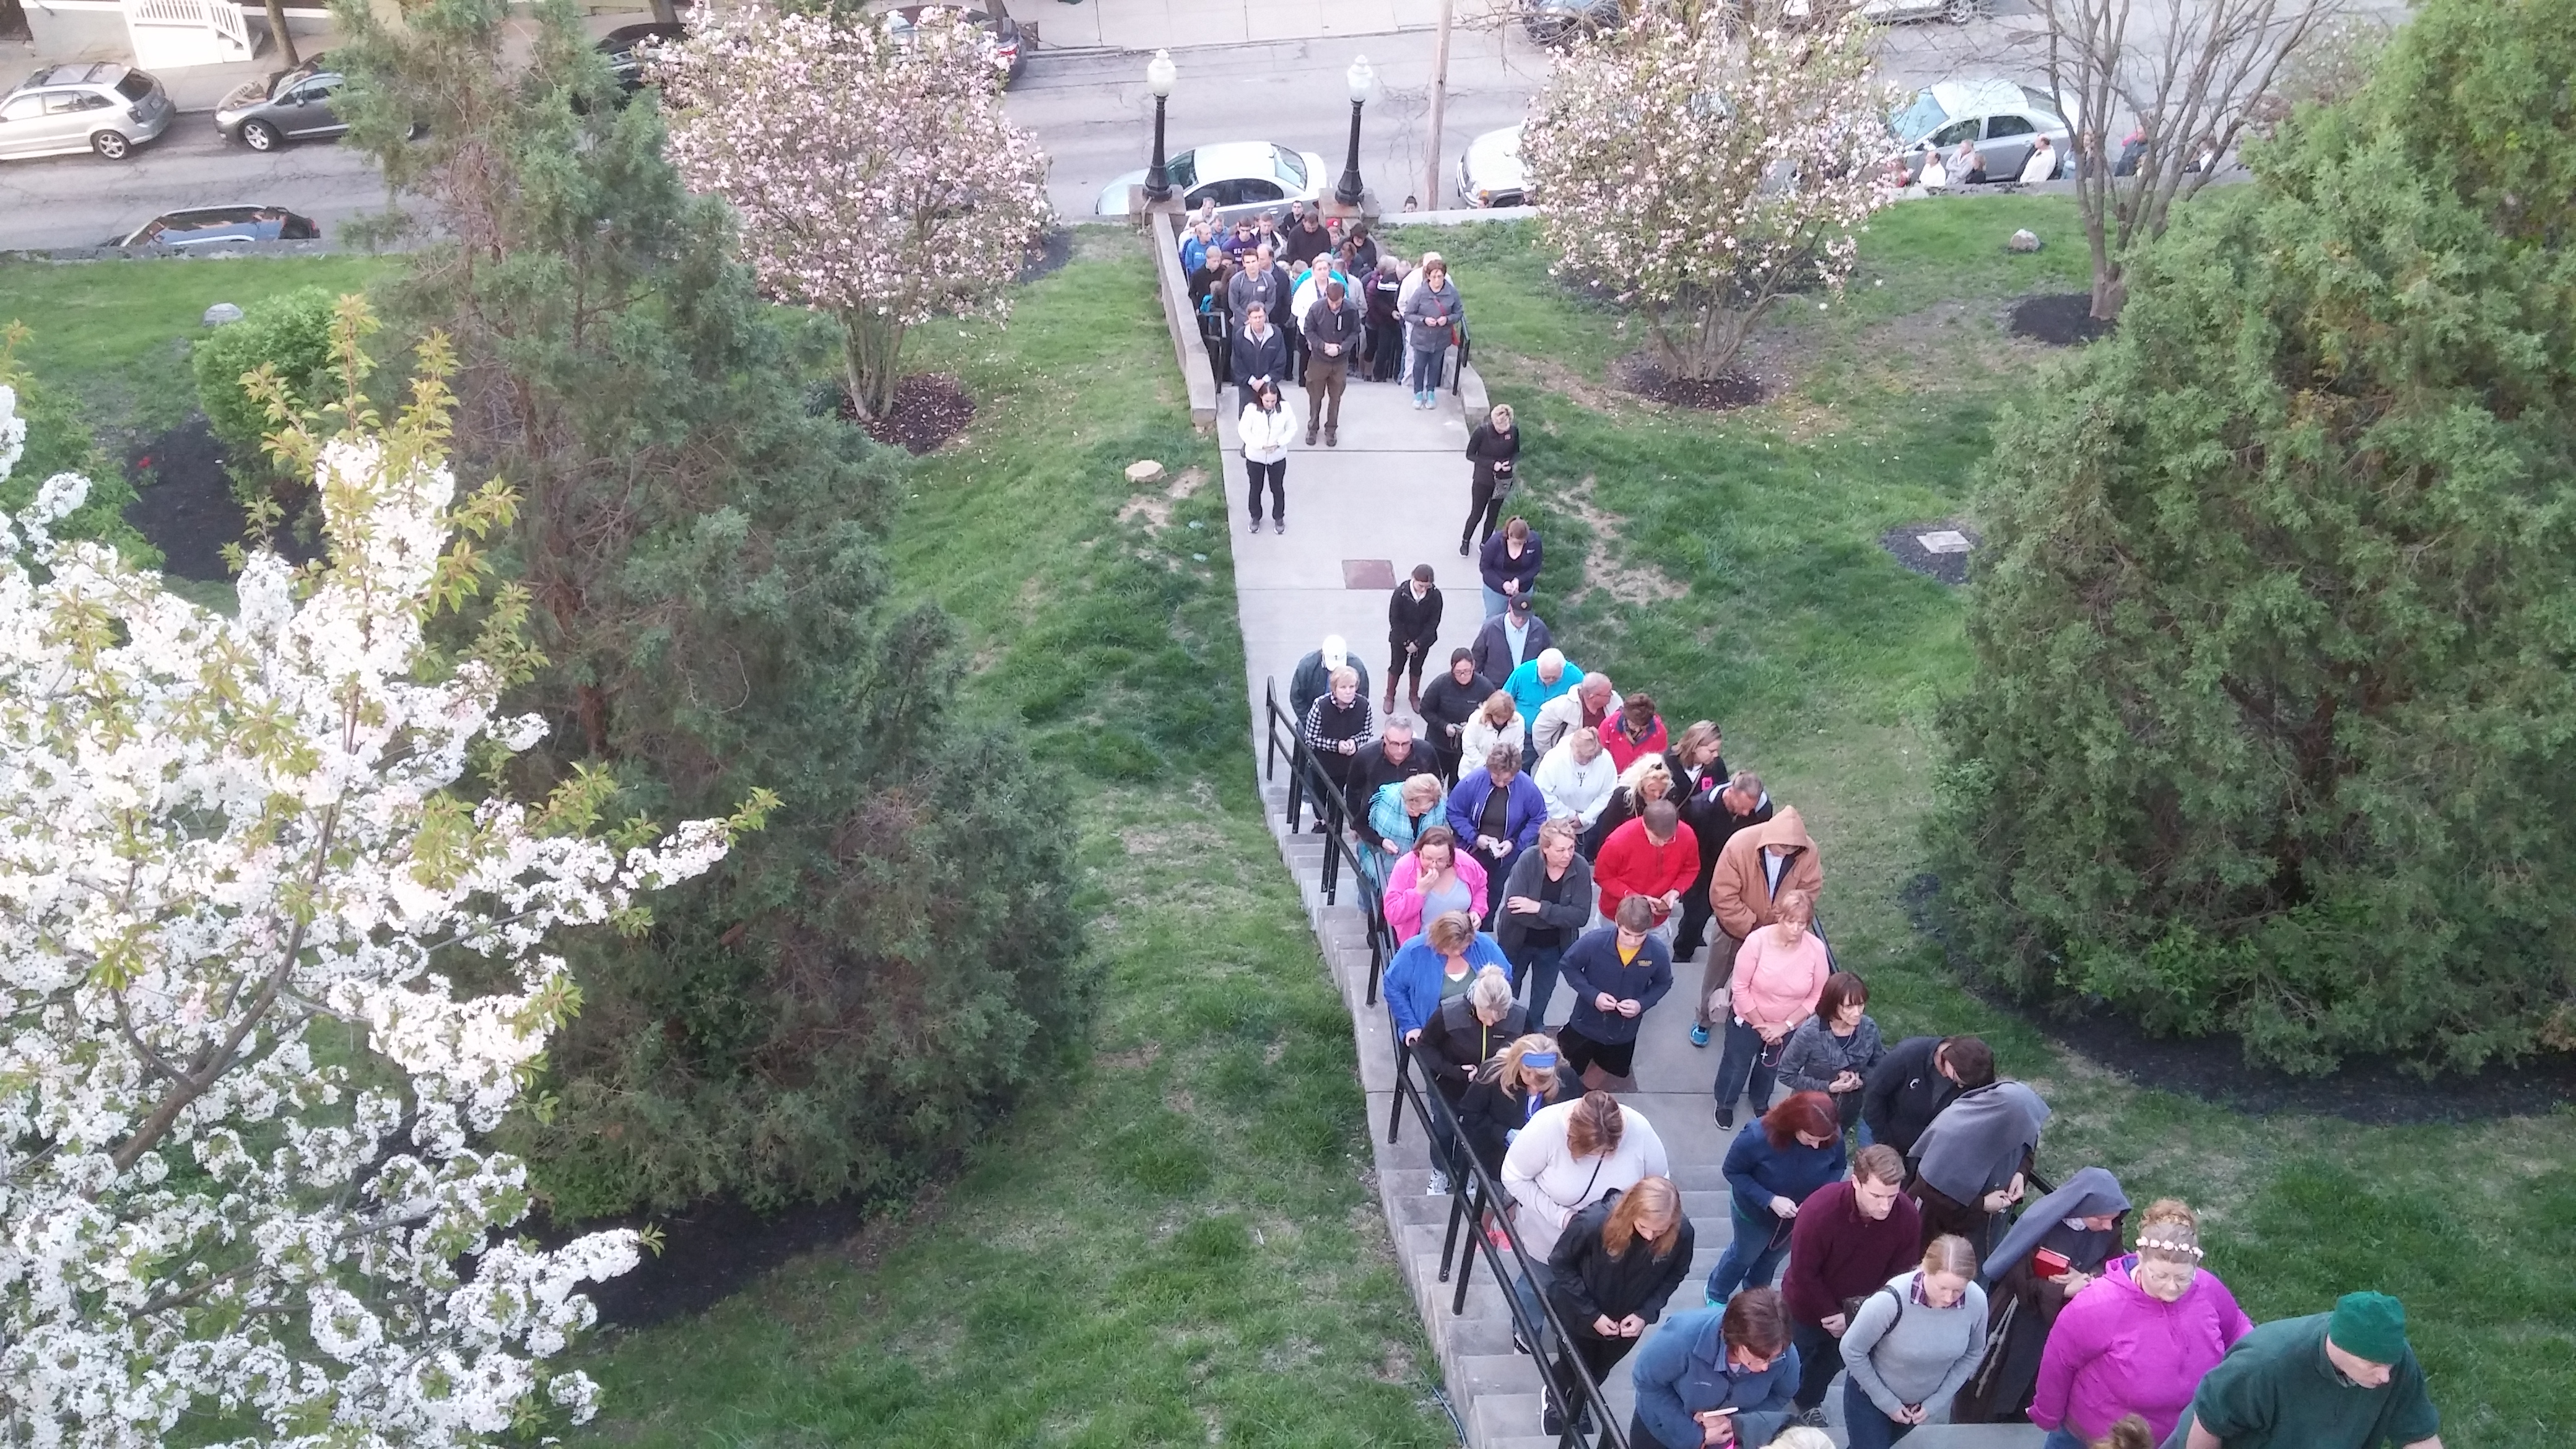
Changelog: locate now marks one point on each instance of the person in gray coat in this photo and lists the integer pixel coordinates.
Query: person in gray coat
(1262, 282)
(1912, 1345)
(1434, 320)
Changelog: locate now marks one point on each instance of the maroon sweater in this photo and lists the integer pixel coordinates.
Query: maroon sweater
(1835, 1253)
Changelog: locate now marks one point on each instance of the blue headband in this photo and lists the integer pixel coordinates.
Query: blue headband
(1541, 1060)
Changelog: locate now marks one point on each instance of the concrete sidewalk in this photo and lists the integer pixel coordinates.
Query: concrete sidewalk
(1147, 25)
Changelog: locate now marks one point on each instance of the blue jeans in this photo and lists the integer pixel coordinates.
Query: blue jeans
(1427, 368)
(1739, 1069)
(1539, 970)
(1868, 1428)
(1750, 1258)
(1495, 603)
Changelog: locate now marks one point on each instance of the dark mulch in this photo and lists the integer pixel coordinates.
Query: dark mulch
(1642, 374)
(2060, 319)
(1052, 251)
(708, 1254)
(2375, 1092)
(1905, 541)
(929, 409)
(184, 500)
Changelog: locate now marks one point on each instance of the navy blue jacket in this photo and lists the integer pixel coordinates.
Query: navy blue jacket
(1591, 966)
(1760, 1172)
(1682, 1371)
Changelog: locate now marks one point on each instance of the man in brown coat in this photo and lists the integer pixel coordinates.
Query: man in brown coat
(1759, 864)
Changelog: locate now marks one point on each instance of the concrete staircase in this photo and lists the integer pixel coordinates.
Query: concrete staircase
(1494, 1389)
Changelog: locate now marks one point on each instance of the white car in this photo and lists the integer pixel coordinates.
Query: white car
(1489, 170)
(1243, 178)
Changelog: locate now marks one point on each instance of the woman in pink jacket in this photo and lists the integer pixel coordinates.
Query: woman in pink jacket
(2137, 1339)
(1780, 971)
(1436, 877)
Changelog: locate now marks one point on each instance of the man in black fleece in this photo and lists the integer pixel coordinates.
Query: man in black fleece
(1915, 1080)
(1412, 632)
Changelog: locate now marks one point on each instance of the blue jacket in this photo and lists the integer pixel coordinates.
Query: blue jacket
(1528, 692)
(1522, 817)
(1760, 1172)
(1682, 1371)
(1591, 966)
(1413, 979)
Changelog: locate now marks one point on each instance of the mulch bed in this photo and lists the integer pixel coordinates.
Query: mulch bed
(929, 409)
(2060, 319)
(1642, 374)
(184, 501)
(2373, 1092)
(709, 1253)
(1052, 251)
(1905, 541)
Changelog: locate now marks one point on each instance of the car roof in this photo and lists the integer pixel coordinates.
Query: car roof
(92, 73)
(1507, 139)
(1227, 159)
(1980, 97)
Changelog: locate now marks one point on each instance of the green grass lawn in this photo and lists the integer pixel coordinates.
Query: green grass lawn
(1729, 563)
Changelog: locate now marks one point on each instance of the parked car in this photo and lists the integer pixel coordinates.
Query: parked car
(1887, 11)
(295, 105)
(1008, 54)
(200, 227)
(625, 45)
(1243, 178)
(1489, 170)
(97, 106)
(1551, 21)
(2004, 119)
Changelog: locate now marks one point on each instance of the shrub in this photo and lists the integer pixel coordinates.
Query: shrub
(290, 331)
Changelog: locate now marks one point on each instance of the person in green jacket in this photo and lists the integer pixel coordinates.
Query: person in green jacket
(2341, 1380)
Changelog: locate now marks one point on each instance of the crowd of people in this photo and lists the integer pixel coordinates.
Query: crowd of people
(1530, 831)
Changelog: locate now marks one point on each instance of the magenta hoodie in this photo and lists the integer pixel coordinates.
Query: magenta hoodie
(2117, 1349)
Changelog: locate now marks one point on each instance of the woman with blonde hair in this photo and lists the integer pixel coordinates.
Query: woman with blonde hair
(1614, 1269)
(1495, 449)
(1497, 722)
(1545, 902)
(2137, 1339)
(1399, 813)
(1912, 1345)
(1524, 1079)
(1646, 780)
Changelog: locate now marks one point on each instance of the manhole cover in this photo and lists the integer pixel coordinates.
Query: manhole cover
(1368, 573)
(1937, 549)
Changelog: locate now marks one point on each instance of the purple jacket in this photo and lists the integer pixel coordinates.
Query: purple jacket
(1524, 813)
(2117, 1349)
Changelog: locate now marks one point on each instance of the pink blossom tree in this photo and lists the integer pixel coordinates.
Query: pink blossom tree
(876, 175)
(1698, 169)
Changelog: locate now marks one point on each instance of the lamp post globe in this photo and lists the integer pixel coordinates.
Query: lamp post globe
(1159, 76)
(1363, 83)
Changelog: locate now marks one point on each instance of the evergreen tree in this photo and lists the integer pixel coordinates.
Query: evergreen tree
(2276, 698)
(868, 981)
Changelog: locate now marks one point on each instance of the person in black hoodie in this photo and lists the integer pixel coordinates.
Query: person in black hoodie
(1412, 632)
(1449, 703)
(1495, 449)
(1915, 1080)
(1527, 1076)
(1614, 1268)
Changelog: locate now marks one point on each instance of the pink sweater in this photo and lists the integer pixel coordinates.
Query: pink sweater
(2117, 1349)
(1777, 984)
(1404, 892)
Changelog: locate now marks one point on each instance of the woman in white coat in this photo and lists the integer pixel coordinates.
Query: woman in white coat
(1265, 429)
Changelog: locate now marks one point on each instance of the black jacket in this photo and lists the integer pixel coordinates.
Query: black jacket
(1493, 453)
(1325, 322)
(1493, 652)
(1590, 1282)
(1711, 823)
(1904, 1092)
(1265, 357)
(1447, 704)
(1456, 1045)
(1305, 246)
(1413, 621)
(1564, 904)
(1370, 769)
(1493, 1108)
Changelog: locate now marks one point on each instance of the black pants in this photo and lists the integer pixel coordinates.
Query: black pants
(1399, 662)
(1296, 351)
(1615, 1058)
(1485, 507)
(1599, 1355)
(1277, 473)
(1820, 1357)
(1386, 351)
(1692, 928)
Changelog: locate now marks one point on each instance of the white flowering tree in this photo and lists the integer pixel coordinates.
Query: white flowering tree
(267, 975)
(876, 176)
(1698, 170)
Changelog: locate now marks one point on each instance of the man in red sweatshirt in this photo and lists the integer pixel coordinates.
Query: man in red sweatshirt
(1654, 856)
(1850, 1238)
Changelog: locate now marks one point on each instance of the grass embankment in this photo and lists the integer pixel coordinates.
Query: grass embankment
(1730, 564)
(1178, 1244)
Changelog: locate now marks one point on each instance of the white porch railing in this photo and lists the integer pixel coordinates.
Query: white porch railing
(171, 33)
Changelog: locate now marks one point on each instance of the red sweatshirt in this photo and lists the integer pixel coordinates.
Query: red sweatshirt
(1835, 1253)
(1632, 865)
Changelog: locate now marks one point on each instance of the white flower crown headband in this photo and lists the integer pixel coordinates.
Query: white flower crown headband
(2168, 1245)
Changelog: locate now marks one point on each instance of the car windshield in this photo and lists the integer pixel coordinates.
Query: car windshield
(1292, 168)
(2040, 101)
(1919, 119)
(1183, 170)
(134, 85)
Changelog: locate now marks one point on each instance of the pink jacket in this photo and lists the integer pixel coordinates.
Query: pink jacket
(1776, 984)
(2117, 1349)
(1404, 896)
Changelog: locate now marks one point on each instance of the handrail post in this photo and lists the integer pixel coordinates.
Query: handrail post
(1460, 1195)
(1395, 1112)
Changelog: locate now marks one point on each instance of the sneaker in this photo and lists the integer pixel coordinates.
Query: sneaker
(1310, 437)
(1256, 525)
(1279, 525)
(1520, 1344)
(1462, 548)
(1439, 1184)
(1550, 1422)
(1813, 1418)
(1726, 1116)
(1699, 1036)
(1332, 439)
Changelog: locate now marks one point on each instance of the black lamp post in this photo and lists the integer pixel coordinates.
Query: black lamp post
(1363, 85)
(1159, 76)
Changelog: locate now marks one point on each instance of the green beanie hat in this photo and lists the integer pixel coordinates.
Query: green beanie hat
(2369, 1325)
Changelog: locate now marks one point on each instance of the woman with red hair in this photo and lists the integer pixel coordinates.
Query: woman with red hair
(1778, 1161)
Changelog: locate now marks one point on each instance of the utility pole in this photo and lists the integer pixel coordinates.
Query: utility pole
(1431, 193)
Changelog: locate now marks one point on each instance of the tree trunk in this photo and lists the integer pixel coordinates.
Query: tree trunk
(871, 346)
(666, 12)
(2110, 291)
(277, 28)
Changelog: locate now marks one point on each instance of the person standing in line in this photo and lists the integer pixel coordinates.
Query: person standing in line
(1510, 564)
(1262, 283)
(1832, 1051)
(2341, 1380)
(1432, 967)
(1384, 284)
(1307, 238)
(2139, 1339)
(1571, 1156)
(1510, 639)
(1496, 723)
(1391, 759)
(1648, 859)
(1640, 785)
(1738, 803)
(1336, 726)
(1539, 680)
(1586, 706)
(1434, 320)
(2042, 165)
(1412, 632)
(1195, 246)
(1637, 731)
(1974, 1161)
(1614, 1268)
(1265, 429)
(1523, 1080)
(1397, 816)
(1847, 1239)
(1545, 902)
(1358, 251)
(1432, 880)
(1912, 1345)
(1258, 356)
(1497, 810)
(1495, 449)
(1313, 677)
(1332, 340)
(1468, 1030)
(1576, 779)
(1757, 866)
(1617, 974)
(1773, 1166)
(2055, 1250)
(1449, 703)
(1918, 1077)
(1779, 976)
(1717, 1376)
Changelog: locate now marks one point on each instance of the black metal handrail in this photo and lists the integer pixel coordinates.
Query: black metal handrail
(1282, 735)
(1477, 1203)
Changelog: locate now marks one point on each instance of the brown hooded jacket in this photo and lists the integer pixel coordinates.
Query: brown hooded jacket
(1739, 890)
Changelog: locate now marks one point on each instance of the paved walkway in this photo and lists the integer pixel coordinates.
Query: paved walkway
(1151, 24)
